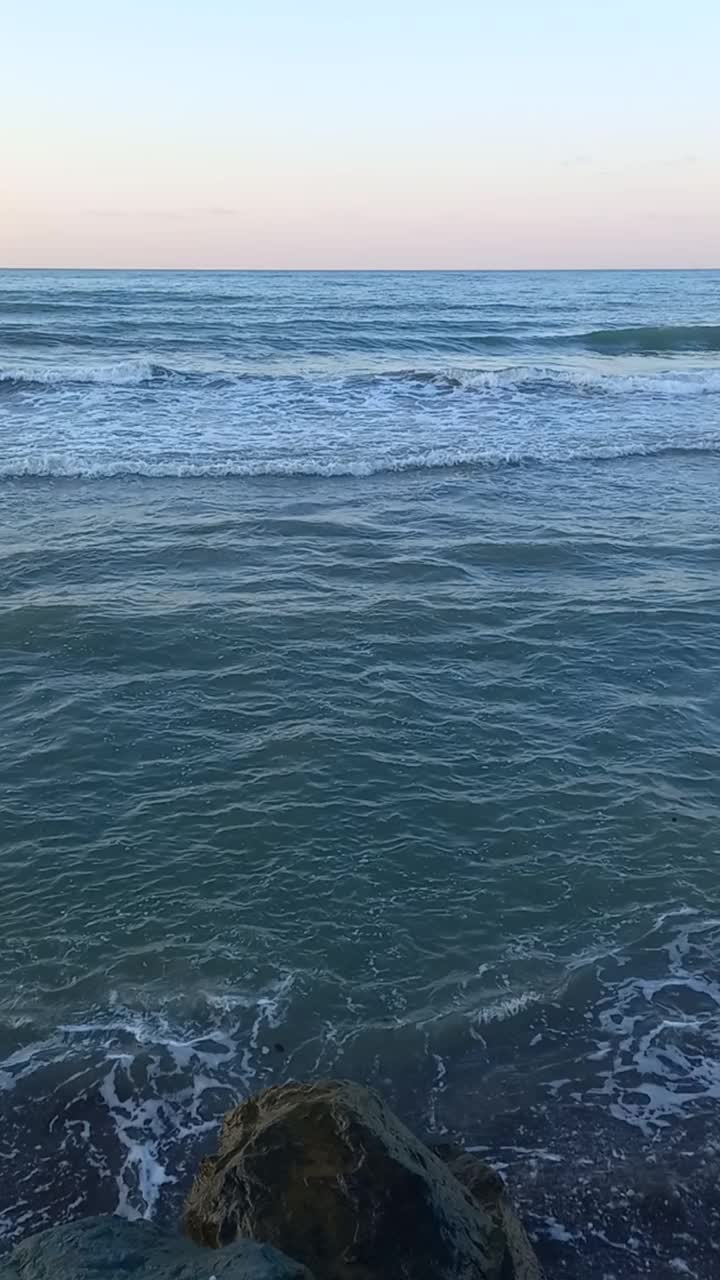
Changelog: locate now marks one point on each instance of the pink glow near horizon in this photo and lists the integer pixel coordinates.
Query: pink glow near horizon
(430, 136)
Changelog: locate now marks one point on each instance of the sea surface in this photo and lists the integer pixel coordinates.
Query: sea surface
(360, 689)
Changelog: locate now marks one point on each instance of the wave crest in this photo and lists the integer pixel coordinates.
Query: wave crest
(69, 466)
(517, 378)
(536, 379)
(125, 373)
(653, 339)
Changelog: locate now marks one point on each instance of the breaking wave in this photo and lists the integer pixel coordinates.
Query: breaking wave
(122, 374)
(539, 379)
(74, 467)
(523, 379)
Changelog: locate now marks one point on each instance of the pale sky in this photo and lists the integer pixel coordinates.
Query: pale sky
(335, 134)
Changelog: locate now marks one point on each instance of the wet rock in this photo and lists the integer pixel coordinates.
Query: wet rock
(115, 1249)
(489, 1191)
(328, 1174)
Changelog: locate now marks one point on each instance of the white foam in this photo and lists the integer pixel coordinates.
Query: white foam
(123, 373)
(159, 1086)
(660, 1066)
(270, 1009)
(73, 466)
(506, 1007)
(437, 1089)
(535, 1153)
(681, 1267)
(139, 1127)
(669, 383)
(522, 378)
(556, 1231)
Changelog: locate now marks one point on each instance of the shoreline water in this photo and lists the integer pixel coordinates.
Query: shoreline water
(130, 1126)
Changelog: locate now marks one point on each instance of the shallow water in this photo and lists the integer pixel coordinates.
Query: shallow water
(360, 641)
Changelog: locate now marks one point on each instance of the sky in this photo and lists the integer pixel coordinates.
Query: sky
(336, 134)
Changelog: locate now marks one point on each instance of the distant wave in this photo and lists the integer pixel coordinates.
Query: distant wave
(650, 340)
(541, 378)
(328, 335)
(526, 379)
(72, 467)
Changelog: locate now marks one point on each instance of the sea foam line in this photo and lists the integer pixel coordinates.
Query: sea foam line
(520, 378)
(72, 467)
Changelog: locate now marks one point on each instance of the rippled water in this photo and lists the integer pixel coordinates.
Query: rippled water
(360, 643)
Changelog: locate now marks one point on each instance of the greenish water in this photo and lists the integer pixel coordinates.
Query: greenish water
(360, 717)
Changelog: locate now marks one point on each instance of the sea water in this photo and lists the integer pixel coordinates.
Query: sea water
(360, 688)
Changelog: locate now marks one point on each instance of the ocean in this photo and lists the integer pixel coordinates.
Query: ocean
(360, 683)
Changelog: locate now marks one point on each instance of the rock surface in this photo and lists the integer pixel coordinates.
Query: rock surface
(488, 1190)
(328, 1174)
(114, 1249)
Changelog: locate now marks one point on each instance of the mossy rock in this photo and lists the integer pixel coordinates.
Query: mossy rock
(328, 1174)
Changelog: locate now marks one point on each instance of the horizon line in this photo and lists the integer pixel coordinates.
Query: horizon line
(366, 270)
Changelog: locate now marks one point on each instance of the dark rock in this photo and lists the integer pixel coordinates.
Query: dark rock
(489, 1190)
(327, 1173)
(114, 1249)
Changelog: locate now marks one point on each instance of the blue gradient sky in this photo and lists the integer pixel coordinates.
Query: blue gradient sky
(319, 134)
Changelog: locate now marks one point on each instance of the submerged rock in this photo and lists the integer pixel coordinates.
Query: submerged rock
(115, 1249)
(327, 1173)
